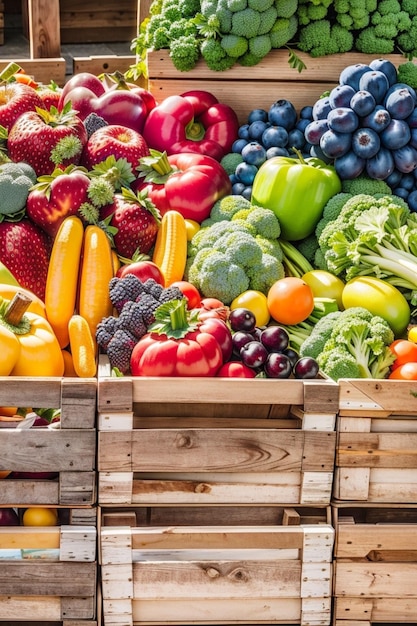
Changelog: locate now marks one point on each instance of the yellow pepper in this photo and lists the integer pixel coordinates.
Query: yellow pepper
(28, 344)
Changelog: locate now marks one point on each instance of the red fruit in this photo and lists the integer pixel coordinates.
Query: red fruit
(15, 99)
(114, 140)
(143, 270)
(52, 200)
(47, 139)
(136, 220)
(50, 95)
(25, 250)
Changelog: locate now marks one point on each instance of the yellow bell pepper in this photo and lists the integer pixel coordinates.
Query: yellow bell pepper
(28, 344)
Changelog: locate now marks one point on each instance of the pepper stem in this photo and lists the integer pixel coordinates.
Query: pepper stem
(195, 131)
(12, 313)
(174, 320)
(299, 155)
(156, 167)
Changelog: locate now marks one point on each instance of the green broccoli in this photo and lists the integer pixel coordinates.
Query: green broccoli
(215, 57)
(321, 331)
(219, 278)
(236, 5)
(268, 19)
(308, 247)
(338, 363)
(331, 211)
(230, 161)
(364, 184)
(246, 23)
(264, 274)
(287, 8)
(260, 5)
(283, 31)
(226, 207)
(234, 45)
(299, 333)
(16, 180)
(321, 37)
(369, 42)
(270, 246)
(311, 12)
(358, 334)
(184, 52)
(354, 14)
(189, 8)
(264, 221)
(259, 46)
(240, 248)
(407, 72)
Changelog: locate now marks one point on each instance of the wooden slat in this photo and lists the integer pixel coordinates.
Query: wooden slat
(43, 70)
(44, 29)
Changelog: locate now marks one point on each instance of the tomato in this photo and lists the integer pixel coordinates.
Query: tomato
(235, 369)
(380, 298)
(192, 227)
(405, 352)
(39, 516)
(324, 284)
(190, 292)
(254, 301)
(290, 300)
(143, 270)
(406, 371)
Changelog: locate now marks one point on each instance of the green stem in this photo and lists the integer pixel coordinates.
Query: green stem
(194, 131)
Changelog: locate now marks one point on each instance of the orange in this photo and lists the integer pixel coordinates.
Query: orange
(290, 300)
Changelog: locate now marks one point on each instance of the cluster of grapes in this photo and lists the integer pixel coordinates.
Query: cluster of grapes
(267, 350)
(265, 135)
(368, 124)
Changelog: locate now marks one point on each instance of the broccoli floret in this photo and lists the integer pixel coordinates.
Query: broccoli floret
(270, 246)
(407, 73)
(338, 363)
(15, 185)
(268, 19)
(219, 278)
(260, 46)
(246, 23)
(234, 45)
(241, 248)
(331, 210)
(189, 8)
(308, 247)
(260, 5)
(215, 56)
(264, 274)
(184, 52)
(226, 207)
(230, 161)
(354, 14)
(389, 19)
(321, 38)
(313, 345)
(369, 42)
(236, 5)
(364, 184)
(264, 221)
(287, 8)
(283, 31)
(183, 27)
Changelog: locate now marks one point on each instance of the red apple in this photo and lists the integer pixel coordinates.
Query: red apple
(143, 270)
(83, 79)
(8, 517)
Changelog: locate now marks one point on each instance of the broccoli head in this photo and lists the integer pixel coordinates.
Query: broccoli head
(407, 72)
(219, 278)
(264, 274)
(184, 52)
(320, 38)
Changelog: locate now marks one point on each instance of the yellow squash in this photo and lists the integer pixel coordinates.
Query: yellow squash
(170, 252)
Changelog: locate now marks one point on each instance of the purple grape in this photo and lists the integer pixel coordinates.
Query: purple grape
(253, 354)
(306, 367)
(239, 339)
(275, 338)
(278, 365)
(242, 319)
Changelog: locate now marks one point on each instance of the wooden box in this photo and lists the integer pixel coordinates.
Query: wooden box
(215, 441)
(376, 448)
(216, 565)
(375, 565)
(86, 21)
(48, 575)
(68, 450)
(240, 87)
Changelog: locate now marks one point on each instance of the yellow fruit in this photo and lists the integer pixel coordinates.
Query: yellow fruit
(325, 285)
(192, 227)
(254, 301)
(39, 516)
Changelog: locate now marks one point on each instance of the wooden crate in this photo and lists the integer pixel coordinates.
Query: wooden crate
(272, 79)
(376, 448)
(42, 70)
(68, 451)
(375, 565)
(215, 441)
(48, 575)
(216, 565)
(84, 21)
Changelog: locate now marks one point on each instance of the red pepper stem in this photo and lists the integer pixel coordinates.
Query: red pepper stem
(161, 165)
(195, 131)
(178, 316)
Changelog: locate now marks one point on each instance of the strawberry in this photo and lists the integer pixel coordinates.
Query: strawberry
(117, 141)
(137, 222)
(16, 99)
(25, 250)
(49, 94)
(55, 197)
(47, 139)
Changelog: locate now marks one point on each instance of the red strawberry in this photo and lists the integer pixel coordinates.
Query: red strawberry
(117, 141)
(15, 99)
(137, 221)
(50, 95)
(25, 250)
(47, 139)
(55, 197)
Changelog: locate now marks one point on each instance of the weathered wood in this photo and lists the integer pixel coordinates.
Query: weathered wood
(42, 70)
(44, 28)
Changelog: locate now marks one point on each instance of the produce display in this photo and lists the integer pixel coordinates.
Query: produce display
(180, 243)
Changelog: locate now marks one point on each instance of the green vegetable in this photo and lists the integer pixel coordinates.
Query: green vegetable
(387, 23)
(230, 161)
(364, 184)
(236, 249)
(355, 346)
(374, 237)
(300, 333)
(407, 41)
(314, 342)
(296, 190)
(407, 72)
(354, 14)
(321, 37)
(184, 52)
(16, 179)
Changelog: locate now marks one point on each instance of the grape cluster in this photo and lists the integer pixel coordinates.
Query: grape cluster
(265, 135)
(135, 303)
(367, 124)
(267, 350)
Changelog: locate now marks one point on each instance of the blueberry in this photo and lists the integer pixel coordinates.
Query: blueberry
(400, 103)
(321, 109)
(306, 112)
(254, 153)
(405, 159)
(387, 67)
(349, 165)
(275, 151)
(351, 74)
(412, 200)
(378, 119)
(256, 130)
(315, 130)
(343, 120)
(274, 136)
(237, 189)
(246, 173)
(396, 135)
(363, 103)
(365, 143)
(258, 115)
(296, 139)
(341, 96)
(335, 144)
(283, 113)
(381, 165)
(376, 83)
(238, 145)
(243, 132)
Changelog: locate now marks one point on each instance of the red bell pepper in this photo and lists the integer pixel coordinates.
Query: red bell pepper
(187, 182)
(176, 345)
(194, 121)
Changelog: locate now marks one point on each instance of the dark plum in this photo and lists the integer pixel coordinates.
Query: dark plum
(362, 103)
(239, 339)
(351, 74)
(413, 138)
(376, 83)
(275, 338)
(387, 67)
(349, 166)
(396, 135)
(400, 103)
(306, 367)
(283, 113)
(254, 354)
(365, 143)
(278, 365)
(343, 120)
(335, 144)
(381, 165)
(405, 159)
(292, 355)
(242, 319)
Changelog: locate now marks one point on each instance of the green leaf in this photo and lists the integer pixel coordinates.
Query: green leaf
(294, 61)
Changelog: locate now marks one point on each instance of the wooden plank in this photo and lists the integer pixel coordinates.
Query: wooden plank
(48, 579)
(44, 28)
(389, 450)
(100, 64)
(356, 579)
(43, 70)
(359, 540)
(347, 611)
(378, 397)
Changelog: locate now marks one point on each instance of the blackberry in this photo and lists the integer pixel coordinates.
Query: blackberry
(148, 305)
(121, 290)
(152, 287)
(119, 350)
(93, 122)
(131, 319)
(105, 331)
(171, 293)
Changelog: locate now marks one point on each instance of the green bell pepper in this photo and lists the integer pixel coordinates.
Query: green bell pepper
(296, 189)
